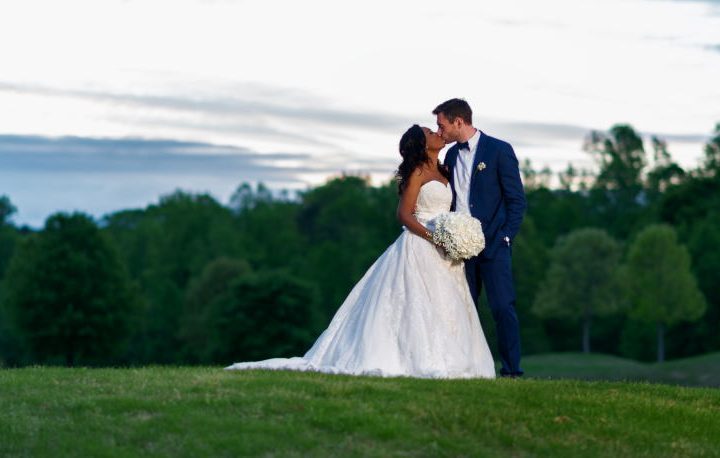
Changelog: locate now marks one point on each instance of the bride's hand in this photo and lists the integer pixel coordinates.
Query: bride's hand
(429, 237)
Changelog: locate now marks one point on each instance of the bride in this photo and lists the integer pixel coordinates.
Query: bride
(411, 314)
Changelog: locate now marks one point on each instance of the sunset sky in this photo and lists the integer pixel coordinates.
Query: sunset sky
(107, 105)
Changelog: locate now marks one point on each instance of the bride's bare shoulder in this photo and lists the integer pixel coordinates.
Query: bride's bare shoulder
(417, 177)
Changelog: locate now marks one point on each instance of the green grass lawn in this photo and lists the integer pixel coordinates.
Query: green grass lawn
(696, 371)
(205, 411)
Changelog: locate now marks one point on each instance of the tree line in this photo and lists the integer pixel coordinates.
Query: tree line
(621, 259)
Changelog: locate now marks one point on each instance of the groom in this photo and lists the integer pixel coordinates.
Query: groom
(485, 180)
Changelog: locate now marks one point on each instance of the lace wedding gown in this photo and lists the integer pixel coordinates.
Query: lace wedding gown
(411, 314)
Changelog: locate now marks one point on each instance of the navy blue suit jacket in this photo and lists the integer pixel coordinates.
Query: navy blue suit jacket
(496, 193)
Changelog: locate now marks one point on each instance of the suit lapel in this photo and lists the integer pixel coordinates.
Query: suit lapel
(480, 153)
(451, 160)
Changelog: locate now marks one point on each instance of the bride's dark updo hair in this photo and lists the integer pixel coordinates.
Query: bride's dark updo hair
(413, 149)
(414, 153)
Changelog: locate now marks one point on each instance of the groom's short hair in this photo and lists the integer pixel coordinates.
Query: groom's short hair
(453, 109)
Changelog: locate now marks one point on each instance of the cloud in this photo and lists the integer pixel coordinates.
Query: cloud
(43, 175)
(534, 133)
(140, 156)
(679, 138)
(301, 108)
(539, 134)
(710, 2)
(713, 5)
(251, 110)
(223, 126)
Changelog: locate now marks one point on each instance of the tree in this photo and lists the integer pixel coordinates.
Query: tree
(244, 198)
(347, 224)
(164, 246)
(712, 154)
(574, 179)
(693, 209)
(616, 195)
(659, 282)
(10, 346)
(266, 224)
(258, 316)
(557, 212)
(581, 281)
(702, 234)
(6, 210)
(665, 171)
(533, 179)
(529, 264)
(204, 298)
(692, 201)
(68, 293)
(8, 234)
(621, 157)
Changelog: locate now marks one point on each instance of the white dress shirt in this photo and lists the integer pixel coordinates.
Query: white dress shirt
(463, 174)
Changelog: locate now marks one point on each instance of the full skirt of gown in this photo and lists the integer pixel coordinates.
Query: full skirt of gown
(411, 314)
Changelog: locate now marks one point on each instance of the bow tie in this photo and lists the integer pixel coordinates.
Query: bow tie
(464, 145)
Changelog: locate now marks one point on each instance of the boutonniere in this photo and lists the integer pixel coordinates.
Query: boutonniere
(480, 167)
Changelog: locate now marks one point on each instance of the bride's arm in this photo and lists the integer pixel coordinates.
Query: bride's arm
(405, 209)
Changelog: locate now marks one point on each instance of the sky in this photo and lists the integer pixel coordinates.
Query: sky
(108, 105)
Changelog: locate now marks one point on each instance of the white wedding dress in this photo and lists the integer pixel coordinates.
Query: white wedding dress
(411, 314)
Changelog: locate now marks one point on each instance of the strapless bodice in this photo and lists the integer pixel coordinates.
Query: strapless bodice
(434, 198)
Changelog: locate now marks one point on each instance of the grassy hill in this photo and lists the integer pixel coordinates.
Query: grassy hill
(205, 411)
(696, 371)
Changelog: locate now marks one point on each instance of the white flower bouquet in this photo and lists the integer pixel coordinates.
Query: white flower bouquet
(459, 234)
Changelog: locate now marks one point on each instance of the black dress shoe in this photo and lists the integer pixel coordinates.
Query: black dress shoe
(510, 375)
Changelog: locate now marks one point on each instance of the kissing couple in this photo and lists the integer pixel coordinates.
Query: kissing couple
(414, 312)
